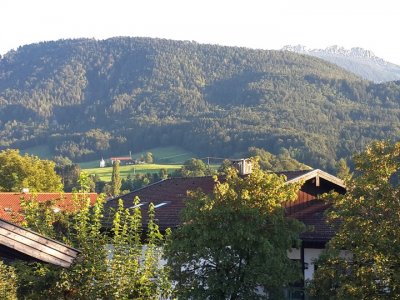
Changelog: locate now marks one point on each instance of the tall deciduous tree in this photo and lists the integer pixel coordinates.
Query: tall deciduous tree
(26, 171)
(235, 241)
(369, 214)
(68, 171)
(115, 179)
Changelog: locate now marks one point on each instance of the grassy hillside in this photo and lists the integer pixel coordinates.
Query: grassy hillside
(105, 173)
(161, 155)
(88, 99)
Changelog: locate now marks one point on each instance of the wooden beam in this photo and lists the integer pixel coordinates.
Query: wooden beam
(8, 242)
(320, 174)
(22, 241)
(32, 244)
(38, 238)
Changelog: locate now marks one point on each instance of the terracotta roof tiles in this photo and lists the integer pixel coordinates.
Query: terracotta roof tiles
(10, 206)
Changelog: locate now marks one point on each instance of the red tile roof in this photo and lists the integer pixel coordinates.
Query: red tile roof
(173, 192)
(10, 207)
(121, 158)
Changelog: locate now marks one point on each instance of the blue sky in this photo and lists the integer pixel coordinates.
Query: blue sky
(265, 24)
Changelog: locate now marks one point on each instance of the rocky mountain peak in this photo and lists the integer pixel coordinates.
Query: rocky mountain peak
(357, 60)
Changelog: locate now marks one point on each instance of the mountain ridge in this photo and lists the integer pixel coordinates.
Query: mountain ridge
(87, 98)
(356, 60)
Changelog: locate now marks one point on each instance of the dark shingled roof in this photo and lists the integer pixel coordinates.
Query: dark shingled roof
(313, 216)
(169, 195)
(172, 191)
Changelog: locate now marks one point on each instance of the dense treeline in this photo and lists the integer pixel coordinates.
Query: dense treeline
(86, 98)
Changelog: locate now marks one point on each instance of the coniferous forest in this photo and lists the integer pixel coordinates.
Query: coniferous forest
(86, 98)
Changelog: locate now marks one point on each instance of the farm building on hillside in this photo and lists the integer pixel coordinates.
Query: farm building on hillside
(102, 163)
(124, 160)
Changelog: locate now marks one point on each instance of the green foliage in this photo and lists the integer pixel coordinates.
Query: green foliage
(115, 179)
(8, 282)
(69, 173)
(343, 170)
(194, 168)
(36, 281)
(225, 166)
(276, 163)
(148, 158)
(138, 181)
(236, 240)
(117, 266)
(369, 229)
(18, 172)
(86, 98)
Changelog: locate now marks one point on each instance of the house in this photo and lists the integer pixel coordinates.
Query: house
(10, 203)
(102, 163)
(124, 160)
(20, 243)
(168, 197)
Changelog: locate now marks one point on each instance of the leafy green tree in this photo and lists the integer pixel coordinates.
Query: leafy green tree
(8, 282)
(137, 181)
(276, 163)
(69, 175)
(225, 166)
(163, 174)
(369, 228)
(236, 240)
(343, 170)
(62, 161)
(194, 168)
(25, 171)
(115, 179)
(149, 158)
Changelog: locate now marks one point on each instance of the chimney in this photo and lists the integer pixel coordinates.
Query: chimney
(243, 165)
(25, 190)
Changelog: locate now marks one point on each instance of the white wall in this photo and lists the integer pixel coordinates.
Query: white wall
(294, 254)
(310, 255)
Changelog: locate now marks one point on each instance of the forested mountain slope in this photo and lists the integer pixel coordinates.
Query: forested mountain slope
(87, 98)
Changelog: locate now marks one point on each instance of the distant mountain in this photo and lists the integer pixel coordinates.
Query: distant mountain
(86, 99)
(357, 60)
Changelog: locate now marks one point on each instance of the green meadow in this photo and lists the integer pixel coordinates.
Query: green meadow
(105, 173)
(161, 155)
